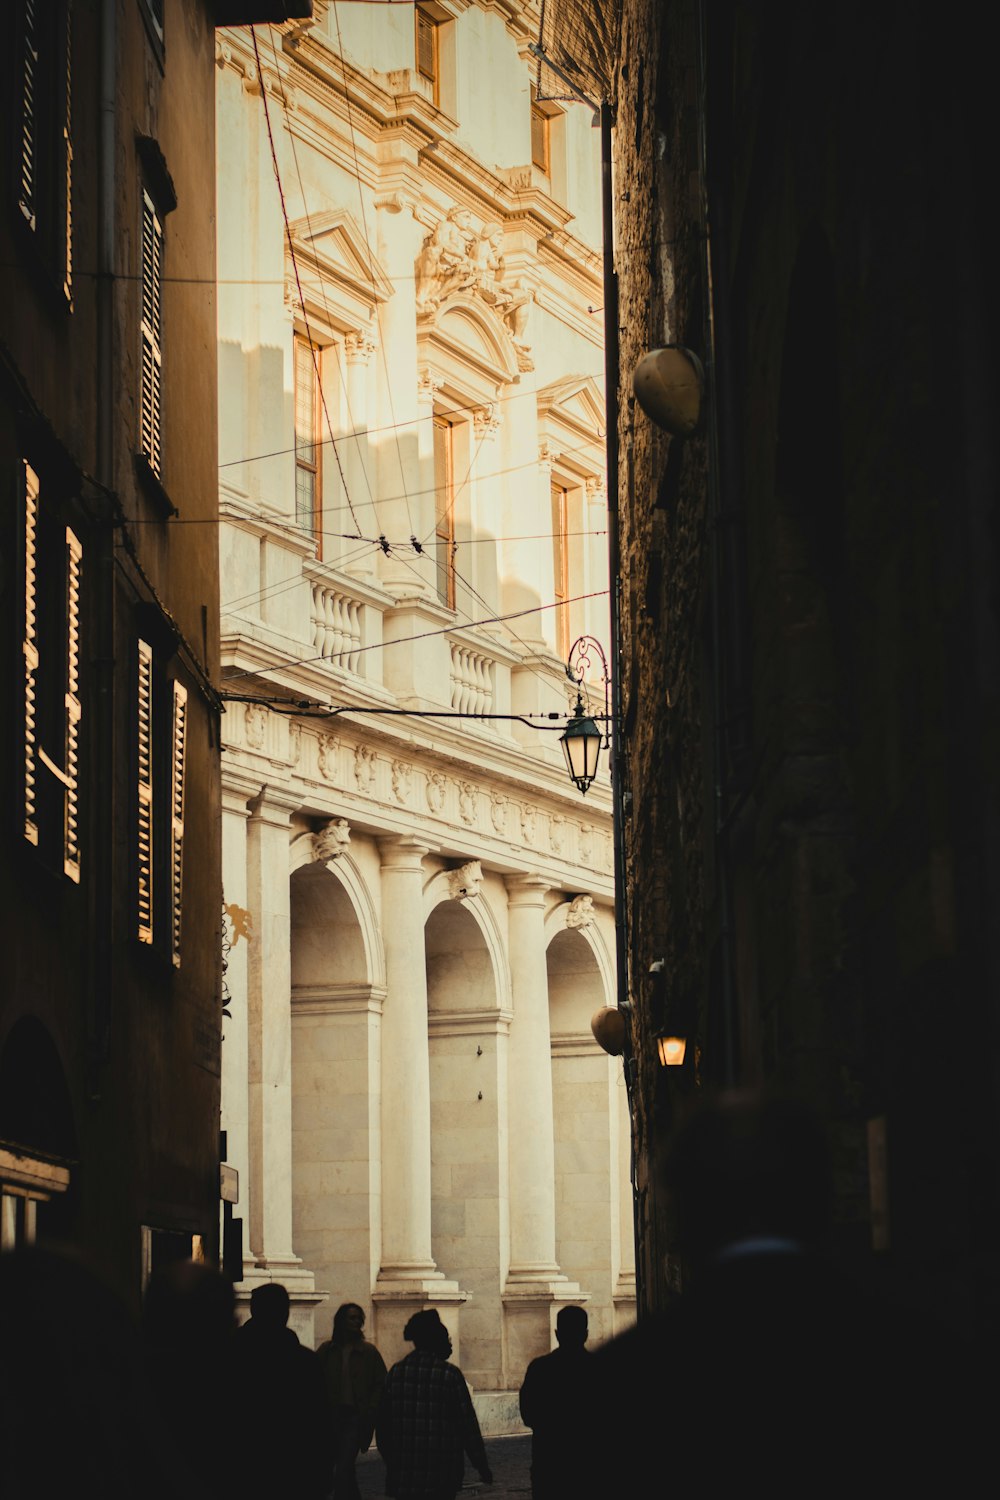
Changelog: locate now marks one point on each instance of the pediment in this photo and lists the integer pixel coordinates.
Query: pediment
(466, 333)
(333, 244)
(575, 401)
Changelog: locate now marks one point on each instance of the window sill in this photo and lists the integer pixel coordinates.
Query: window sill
(152, 486)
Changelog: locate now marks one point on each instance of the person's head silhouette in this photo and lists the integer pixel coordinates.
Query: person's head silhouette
(571, 1327)
(270, 1306)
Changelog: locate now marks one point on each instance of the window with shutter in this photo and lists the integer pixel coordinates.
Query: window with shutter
(151, 376)
(308, 473)
(560, 566)
(43, 177)
(427, 48)
(177, 745)
(144, 793)
(539, 135)
(444, 512)
(30, 651)
(53, 707)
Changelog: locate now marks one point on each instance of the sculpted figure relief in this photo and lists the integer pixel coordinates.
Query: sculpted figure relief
(456, 258)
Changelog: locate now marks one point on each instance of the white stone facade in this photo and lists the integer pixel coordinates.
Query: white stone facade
(411, 1090)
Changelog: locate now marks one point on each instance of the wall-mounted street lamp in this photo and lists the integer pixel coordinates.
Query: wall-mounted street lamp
(581, 740)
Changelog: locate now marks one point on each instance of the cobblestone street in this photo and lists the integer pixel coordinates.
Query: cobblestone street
(510, 1459)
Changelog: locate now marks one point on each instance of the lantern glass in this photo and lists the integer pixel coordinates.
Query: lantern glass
(671, 1050)
(581, 744)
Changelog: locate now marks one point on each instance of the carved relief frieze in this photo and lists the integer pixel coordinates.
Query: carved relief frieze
(585, 844)
(402, 780)
(326, 756)
(364, 768)
(557, 830)
(256, 724)
(468, 801)
(466, 881)
(529, 821)
(331, 841)
(499, 803)
(294, 743)
(435, 791)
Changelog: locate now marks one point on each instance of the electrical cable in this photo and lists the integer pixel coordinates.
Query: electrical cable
(298, 283)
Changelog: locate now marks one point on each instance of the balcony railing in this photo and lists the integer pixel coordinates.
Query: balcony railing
(471, 680)
(337, 622)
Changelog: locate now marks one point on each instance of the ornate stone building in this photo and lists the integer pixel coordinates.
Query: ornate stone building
(414, 532)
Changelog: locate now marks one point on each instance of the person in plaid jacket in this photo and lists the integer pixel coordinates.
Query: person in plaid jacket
(426, 1421)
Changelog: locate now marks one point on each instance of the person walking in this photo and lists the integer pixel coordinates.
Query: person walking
(553, 1404)
(354, 1372)
(426, 1422)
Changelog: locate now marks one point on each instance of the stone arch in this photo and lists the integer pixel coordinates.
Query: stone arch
(475, 337)
(345, 871)
(576, 947)
(437, 892)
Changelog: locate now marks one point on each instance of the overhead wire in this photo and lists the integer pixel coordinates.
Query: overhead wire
(344, 384)
(298, 282)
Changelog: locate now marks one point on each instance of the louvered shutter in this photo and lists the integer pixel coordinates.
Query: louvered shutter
(426, 46)
(71, 817)
(151, 374)
(144, 807)
(30, 650)
(29, 112)
(177, 746)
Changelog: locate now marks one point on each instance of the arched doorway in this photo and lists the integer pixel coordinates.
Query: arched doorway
(467, 1046)
(336, 1094)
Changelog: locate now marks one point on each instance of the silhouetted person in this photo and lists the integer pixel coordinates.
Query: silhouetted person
(188, 1320)
(282, 1412)
(774, 1372)
(354, 1374)
(553, 1404)
(426, 1421)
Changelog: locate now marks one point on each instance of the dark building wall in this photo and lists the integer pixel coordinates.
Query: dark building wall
(812, 833)
(109, 1050)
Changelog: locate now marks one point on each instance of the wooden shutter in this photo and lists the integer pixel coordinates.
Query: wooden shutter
(30, 646)
(144, 805)
(426, 46)
(71, 769)
(28, 165)
(177, 752)
(151, 331)
(539, 136)
(560, 566)
(307, 466)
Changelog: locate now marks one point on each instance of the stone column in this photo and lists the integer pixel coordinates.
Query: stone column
(269, 1058)
(408, 1279)
(359, 348)
(535, 1287)
(399, 240)
(235, 1035)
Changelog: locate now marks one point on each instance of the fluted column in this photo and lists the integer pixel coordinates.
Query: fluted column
(408, 1278)
(486, 510)
(235, 1043)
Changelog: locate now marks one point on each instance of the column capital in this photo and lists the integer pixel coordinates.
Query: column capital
(400, 851)
(527, 889)
(274, 806)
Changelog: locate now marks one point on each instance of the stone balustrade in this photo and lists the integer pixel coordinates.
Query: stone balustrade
(471, 680)
(337, 622)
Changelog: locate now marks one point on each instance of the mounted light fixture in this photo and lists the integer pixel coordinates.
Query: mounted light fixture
(669, 385)
(581, 740)
(671, 1050)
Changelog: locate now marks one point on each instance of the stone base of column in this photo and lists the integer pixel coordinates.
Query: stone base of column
(299, 1283)
(623, 1302)
(402, 1291)
(532, 1298)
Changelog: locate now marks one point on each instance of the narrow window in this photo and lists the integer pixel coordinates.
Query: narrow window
(427, 48)
(444, 512)
(308, 473)
(150, 414)
(30, 122)
(71, 767)
(560, 566)
(177, 749)
(67, 139)
(144, 784)
(30, 652)
(539, 135)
